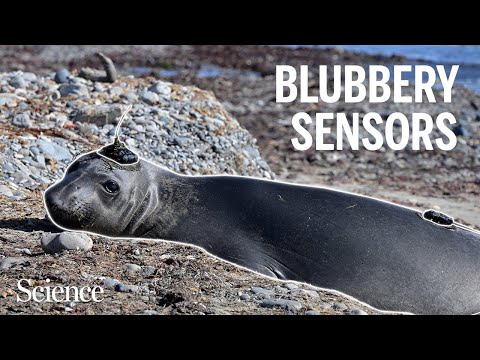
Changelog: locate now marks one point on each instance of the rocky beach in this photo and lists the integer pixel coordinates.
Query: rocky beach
(196, 110)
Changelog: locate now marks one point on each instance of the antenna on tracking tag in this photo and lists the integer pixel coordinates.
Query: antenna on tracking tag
(117, 129)
(118, 152)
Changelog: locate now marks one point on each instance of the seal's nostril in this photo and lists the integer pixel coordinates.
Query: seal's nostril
(77, 187)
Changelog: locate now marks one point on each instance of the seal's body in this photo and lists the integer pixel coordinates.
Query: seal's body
(383, 254)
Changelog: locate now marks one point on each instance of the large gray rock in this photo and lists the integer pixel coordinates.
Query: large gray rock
(99, 115)
(55, 243)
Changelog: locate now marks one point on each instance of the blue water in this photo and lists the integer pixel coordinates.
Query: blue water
(443, 54)
(205, 71)
(467, 56)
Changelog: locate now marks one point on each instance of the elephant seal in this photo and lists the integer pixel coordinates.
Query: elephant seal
(391, 257)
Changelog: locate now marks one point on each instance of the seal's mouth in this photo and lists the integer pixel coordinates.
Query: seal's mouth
(67, 215)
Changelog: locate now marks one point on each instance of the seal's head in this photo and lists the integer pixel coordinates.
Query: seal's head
(97, 193)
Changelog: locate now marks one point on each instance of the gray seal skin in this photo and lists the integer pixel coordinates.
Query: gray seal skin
(383, 254)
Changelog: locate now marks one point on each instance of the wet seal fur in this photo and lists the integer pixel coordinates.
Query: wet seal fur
(383, 254)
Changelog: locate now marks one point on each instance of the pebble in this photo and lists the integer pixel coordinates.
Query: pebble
(149, 97)
(56, 151)
(262, 291)
(460, 130)
(110, 283)
(126, 288)
(18, 82)
(290, 286)
(99, 115)
(283, 303)
(160, 88)
(12, 262)
(133, 268)
(281, 290)
(181, 141)
(357, 312)
(55, 243)
(340, 306)
(8, 167)
(310, 293)
(87, 129)
(245, 297)
(4, 190)
(25, 251)
(73, 90)
(22, 120)
(61, 76)
(28, 76)
(151, 312)
(10, 100)
(148, 270)
(312, 312)
(129, 96)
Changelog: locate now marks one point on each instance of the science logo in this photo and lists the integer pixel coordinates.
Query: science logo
(58, 294)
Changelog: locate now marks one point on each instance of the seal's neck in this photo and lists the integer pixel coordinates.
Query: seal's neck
(164, 202)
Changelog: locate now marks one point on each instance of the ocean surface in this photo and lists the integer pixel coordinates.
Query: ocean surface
(467, 56)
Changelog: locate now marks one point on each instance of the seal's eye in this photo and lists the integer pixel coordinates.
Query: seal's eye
(111, 186)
